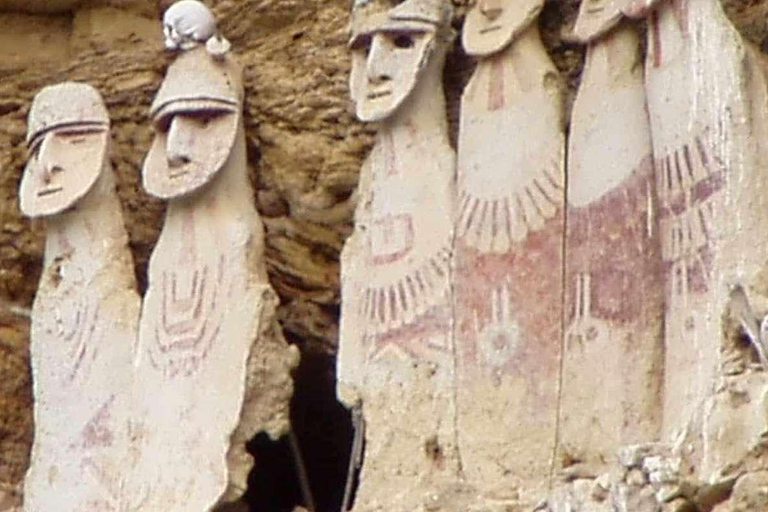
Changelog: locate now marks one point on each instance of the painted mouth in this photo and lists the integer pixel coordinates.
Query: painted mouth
(379, 94)
(178, 174)
(596, 9)
(493, 28)
(49, 191)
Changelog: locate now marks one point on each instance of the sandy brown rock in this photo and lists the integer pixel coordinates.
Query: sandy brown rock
(750, 492)
(15, 399)
(10, 499)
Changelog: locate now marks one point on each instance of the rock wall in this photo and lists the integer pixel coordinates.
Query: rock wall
(304, 149)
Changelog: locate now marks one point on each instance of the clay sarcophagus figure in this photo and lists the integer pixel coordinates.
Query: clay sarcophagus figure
(396, 355)
(86, 311)
(206, 359)
(614, 303)
(707, 102)
(508, 253)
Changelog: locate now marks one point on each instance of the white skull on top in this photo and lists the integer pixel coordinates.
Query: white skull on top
(189, 23)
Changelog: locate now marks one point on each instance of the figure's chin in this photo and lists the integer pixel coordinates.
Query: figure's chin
(164, 190)
(373, 111)
(172, 184)
(49, 206)
(372, 115)
(482, 45)
(171, 192)
(38, 200)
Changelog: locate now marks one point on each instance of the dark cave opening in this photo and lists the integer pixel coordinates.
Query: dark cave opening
(324, 433)
(273, 485)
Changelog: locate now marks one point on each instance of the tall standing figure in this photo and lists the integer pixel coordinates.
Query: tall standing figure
(614, 301)
(508, 253)
(396, 355)
(204, 361)
(706, 99)
(86, 311)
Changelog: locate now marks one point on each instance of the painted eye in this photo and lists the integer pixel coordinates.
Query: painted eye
(403, 41)
(206, 118)
(362, 44)
(72, 138)
(76, 136)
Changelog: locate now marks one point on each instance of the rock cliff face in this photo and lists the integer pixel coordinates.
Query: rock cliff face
(304, 155)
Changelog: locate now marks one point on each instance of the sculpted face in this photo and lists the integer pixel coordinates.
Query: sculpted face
(491, 25)
(64, 164)
(387, 58)
(193, 140)
(595, 18)
(68, 141)
(196, 116)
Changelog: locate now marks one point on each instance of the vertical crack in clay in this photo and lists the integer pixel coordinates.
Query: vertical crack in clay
(563, 269)
(453, 341)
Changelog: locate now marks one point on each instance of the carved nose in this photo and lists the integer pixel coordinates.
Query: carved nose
(180, 141)
(178, 159)
(491, 9)
(46, 156)
(377, 65)
(379, 78)
(49, 170)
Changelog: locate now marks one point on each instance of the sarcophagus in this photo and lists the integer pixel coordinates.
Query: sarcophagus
(508, 254)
